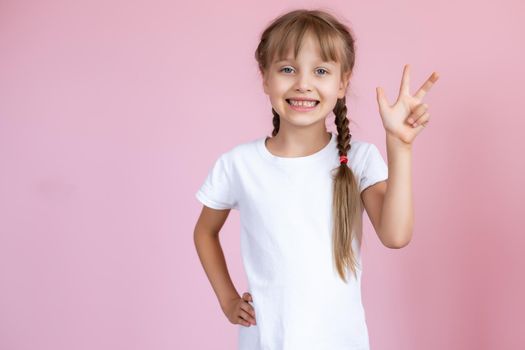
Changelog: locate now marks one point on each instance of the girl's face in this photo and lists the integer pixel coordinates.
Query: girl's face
(306, 77)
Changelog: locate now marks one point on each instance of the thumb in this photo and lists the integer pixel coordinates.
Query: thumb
(381, 98)
(247, 296)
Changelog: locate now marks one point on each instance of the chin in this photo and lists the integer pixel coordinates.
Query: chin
(302, 120)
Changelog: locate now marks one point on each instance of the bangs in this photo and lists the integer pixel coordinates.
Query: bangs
(289, 38)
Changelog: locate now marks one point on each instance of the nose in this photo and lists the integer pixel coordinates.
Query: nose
(303, 83)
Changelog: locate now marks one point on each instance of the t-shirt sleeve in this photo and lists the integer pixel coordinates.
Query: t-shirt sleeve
(374, 169)
(217, 191)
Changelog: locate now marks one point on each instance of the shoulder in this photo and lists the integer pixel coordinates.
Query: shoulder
(240, 153)
(358, 144)
(364, 154)
(359, 148)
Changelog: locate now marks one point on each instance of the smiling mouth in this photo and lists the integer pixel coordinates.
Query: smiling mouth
(288, 101)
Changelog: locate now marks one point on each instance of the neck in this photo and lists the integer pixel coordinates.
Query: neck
(298, 142)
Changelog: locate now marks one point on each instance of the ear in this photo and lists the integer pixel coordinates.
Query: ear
(343, 85)
(265, 82)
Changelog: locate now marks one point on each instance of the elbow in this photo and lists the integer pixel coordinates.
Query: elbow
(200, 233)
(398, 243)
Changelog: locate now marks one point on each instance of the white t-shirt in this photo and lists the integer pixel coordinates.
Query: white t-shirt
(284, 204)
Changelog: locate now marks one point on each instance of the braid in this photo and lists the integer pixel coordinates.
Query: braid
(276, 122)
(346, 202)
(341, 121)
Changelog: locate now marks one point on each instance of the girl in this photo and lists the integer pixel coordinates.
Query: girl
(301, 194)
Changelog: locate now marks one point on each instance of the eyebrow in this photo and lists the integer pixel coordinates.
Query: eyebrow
(292, 60)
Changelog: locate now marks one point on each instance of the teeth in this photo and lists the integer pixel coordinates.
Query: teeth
(302, 103)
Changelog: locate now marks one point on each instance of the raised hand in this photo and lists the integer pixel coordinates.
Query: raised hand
(408, 116)
(240, 311)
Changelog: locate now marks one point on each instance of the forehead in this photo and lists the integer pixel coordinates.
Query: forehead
(309, 50)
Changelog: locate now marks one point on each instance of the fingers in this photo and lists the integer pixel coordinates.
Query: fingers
(248, 308)
(243, 322)
(381, 98)
(247, 296)
(405, 81)
(427, 85)
(415, 117)
(246, 311)
(422, 121)
(246, 318)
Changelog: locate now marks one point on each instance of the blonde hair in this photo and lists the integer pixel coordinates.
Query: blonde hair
(337, 44)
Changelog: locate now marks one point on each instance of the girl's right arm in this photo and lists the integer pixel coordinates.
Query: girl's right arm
(211, 255)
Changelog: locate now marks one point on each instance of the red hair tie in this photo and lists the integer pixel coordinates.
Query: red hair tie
(343, 159)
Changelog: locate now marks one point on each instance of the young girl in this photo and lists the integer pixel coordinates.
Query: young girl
(301, 194)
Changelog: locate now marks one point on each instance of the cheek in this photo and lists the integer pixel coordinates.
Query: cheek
(330, 94)
(329, 87)
(278, 86)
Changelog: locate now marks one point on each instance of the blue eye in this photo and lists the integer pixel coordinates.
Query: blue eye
(320, 69)
(284, 68)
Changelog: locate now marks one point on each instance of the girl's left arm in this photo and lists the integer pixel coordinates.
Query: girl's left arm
(402, 121)
(397, 213)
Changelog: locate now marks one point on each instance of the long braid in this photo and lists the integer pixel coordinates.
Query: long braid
(346, 199)
(343, 133)
(276, 122)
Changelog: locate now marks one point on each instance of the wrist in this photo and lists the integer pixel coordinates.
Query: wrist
(226, 300)
(393, 141)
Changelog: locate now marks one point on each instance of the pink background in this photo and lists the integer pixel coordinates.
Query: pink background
(112, 113)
